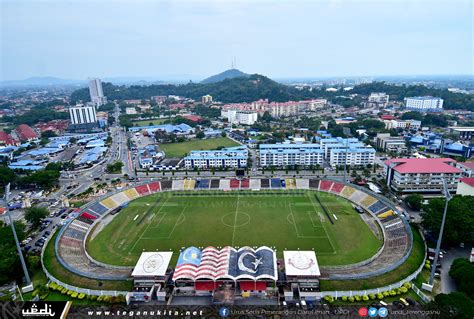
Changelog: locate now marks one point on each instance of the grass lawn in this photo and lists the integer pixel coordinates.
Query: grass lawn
(285, 220)
(55, 269)
(147, 122)
(413, 262)
(180, 149)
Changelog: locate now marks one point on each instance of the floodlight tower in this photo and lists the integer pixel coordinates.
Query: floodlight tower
(22, 260)
(440, 237)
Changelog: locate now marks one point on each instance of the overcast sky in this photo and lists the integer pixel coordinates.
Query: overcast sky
(181, 39)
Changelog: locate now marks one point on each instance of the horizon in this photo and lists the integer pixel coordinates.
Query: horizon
(194, 40)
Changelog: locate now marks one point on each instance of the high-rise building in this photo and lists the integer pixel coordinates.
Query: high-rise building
(378, 99)
(82, 114)
(206, 99)
(96, 92)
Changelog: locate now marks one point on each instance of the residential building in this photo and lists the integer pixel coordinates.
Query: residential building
(82, 114)
(7, 140)
(338, 143)
(421, 175)
(206, 99)
(239, 116)
(467, 168)
(96, 92)
(131, 110)
(424, 104)
(403, 124)
(378, 99)
(465, 186)
(352, 156)
(280, 155)
(387, 143)
(230, 157)
(25, 133)
(180, 129)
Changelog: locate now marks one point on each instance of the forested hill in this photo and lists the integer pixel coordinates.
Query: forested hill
(256, 87)
(228, 74)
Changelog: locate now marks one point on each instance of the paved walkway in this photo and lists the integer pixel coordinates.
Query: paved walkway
(447, 283)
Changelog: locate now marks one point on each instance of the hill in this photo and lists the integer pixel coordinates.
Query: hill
(228, 74)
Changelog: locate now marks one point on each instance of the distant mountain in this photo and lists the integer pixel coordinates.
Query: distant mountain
(42, 81)
(228, 74)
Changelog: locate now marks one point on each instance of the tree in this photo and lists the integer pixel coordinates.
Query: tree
(459, 225)
(414, 201)
(462, 271)
(454, 305)
(7, 175)
(44, 179)
(200, 135)
(35, 214)
(10, 267)
(115, 167)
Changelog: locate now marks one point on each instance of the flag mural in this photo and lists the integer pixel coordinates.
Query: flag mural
(226, 263)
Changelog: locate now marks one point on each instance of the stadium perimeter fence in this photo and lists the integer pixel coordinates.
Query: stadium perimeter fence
(92, 292)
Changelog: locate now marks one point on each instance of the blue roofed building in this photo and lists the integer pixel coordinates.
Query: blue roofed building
(91, 156)
(180, 129)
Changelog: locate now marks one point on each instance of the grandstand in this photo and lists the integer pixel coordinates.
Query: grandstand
(397, 236)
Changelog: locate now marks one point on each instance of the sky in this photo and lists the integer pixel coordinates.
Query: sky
(195, 39)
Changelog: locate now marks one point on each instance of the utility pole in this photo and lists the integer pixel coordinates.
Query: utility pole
(345, 160)
(22, 260)
(440, 237)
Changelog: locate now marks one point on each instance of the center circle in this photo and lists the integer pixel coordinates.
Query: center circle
(231, 220)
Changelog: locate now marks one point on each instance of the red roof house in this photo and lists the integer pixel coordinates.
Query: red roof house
(7, 140)
(26, 133)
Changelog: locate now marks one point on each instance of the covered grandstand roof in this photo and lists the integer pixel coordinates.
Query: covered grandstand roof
(152, 264)
(230, 263)
(301, 263)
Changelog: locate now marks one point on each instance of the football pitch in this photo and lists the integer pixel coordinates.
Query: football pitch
(284, 220)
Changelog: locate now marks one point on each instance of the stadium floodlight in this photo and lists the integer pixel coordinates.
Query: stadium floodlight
(20, 254)
(440, 237)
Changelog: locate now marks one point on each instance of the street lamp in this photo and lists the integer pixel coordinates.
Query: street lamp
(22, 260)
(440, 237)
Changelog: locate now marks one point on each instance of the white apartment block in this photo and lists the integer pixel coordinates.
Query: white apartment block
(96, 92)
(230, 157)
(359, 156)
(421, 175)
(424, 104)
(206, 99)
(130, 110)
(338, 143)
(403, 124)
(281, 155)
(240, 117)
(82, 114)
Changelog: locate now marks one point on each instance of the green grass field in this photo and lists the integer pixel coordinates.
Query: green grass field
(286, 220)
(180, 149)
(147, 122)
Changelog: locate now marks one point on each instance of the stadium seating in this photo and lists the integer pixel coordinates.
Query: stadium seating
(245, 183)
(189, 184)
(234, 183)
(302, 183)
(203, 184)
(368, 200)
(98, 208)
(314, 183)
(109, 203)
(337, 188)
(178, 185)
(120, 198)
(165, 185)
(325, 186)
(290, 183)
(264, 183)
(357, 197)
(377, 207)
(347, 191)
(142, 190)
(255, 183)
(224, 184)
(215, 183)
(131, 193)
(276, 183)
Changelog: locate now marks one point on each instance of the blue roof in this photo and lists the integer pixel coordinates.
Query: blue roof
(354, 150)
(190, 255)
(27, 167)
(168, 128)
(44, 151)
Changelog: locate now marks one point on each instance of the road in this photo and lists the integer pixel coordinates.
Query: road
(447, 283)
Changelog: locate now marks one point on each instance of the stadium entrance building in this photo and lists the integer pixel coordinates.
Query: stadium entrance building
(227, 273)
(149, 277)
(302, 276)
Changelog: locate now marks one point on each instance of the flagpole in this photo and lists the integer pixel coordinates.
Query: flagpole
(22, 260)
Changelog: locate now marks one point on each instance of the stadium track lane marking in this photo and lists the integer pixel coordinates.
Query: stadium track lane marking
(329, 238)
(139, 238)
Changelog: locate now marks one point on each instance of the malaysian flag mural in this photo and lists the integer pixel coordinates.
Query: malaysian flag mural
(226, 263)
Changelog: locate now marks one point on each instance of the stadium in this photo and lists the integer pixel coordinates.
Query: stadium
(234, 238)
